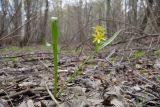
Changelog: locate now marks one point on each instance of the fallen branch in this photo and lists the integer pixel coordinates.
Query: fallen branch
(138, 38)
(16, 94)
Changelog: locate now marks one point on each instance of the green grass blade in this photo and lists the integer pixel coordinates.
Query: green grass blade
(108, 41)
(54, 28)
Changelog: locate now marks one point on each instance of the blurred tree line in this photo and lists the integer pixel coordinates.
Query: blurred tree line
(25, 22)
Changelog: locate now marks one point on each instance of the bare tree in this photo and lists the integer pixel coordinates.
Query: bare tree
(26, 21)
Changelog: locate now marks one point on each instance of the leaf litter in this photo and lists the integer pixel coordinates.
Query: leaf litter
(103, 82)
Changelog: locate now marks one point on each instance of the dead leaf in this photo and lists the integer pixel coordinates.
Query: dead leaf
(30, 103)
(137, 88)
(23, 104)
(117, 102)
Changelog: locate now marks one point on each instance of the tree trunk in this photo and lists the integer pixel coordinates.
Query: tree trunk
(108, 16)
(44, 24)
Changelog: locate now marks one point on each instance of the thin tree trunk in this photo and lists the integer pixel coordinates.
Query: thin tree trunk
(107, 16)
(23, 21)
(44, 23)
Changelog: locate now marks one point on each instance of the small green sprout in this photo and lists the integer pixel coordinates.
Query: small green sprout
(157, 52)
(111, 58)
(158, 77)
(54, 28)
(138, 54)
(137, 102)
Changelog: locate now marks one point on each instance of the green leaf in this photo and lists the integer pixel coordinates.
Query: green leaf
(108, 41)
(98, 46)
(158, 77)
(54, 28)
(157, 52)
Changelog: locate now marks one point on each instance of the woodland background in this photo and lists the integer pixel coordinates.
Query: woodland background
(124, 74)
(26, 22)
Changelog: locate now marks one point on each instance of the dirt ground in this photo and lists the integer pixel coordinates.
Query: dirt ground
(110, 80)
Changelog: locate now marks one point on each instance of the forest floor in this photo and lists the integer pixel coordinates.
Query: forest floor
(110, 80)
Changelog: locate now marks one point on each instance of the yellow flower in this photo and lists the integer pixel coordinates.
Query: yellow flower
(99, 28)
(99, 34)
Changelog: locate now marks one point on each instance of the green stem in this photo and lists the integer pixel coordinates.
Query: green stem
(76, 72)
(54, 27)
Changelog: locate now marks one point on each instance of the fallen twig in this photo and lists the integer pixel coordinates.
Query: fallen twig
(51, 95)
(8, 98)
(49, 92)
(145, 79)
(16, 94)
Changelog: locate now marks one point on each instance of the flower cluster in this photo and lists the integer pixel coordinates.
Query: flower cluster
(99, 34)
